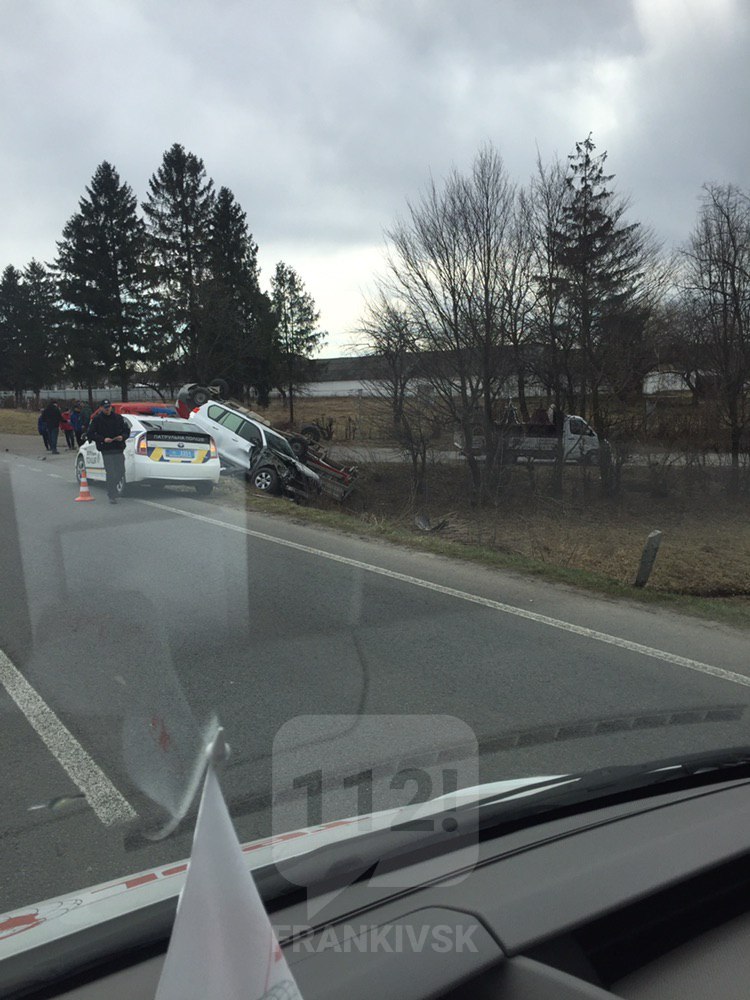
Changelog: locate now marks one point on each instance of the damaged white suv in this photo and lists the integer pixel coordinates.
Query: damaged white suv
(264, 455)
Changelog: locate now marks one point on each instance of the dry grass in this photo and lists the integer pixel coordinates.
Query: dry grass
(355, 418)
(18, 421)
(597, 547)
(705, 546)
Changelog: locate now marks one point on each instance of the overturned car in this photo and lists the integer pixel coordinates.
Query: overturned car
(274, 461)
(245, 443)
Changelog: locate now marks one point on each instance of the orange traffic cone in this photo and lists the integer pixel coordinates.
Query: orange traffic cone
(85, 493)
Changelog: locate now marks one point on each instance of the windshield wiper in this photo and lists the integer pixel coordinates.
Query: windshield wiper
(609, 784)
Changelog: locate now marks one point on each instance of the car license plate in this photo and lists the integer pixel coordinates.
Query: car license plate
(179, 453)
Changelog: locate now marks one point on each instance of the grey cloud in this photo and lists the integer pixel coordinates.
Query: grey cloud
(325, 117)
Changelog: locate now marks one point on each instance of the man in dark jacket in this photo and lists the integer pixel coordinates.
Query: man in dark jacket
(76, 419)
(41, 426)
(52, 417)
(109, 431)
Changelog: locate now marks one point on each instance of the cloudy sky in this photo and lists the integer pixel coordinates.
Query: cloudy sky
(325, 116)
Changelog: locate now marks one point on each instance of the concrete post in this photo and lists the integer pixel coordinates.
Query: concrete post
(648, 558)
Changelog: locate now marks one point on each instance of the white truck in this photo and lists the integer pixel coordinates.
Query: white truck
(539, 441)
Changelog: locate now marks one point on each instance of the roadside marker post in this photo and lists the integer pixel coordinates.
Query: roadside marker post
(648, 558)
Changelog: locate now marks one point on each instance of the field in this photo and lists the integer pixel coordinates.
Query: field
(18, 421)
(705, 549)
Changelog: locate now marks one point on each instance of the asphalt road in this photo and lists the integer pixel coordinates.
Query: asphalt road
(126, 630)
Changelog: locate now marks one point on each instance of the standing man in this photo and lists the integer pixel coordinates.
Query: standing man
(109, 431)
(52, 416)
(41, 426)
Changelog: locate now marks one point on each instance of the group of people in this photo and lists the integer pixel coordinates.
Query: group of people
(106, 428)
(72, 422)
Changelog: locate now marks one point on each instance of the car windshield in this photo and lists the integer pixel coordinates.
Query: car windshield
(278, 443)
(483, 269)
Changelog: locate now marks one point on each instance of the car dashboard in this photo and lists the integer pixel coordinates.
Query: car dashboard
(647, 897)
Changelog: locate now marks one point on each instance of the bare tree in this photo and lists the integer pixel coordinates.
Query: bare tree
(387, 334)
(414, 414)
(445, 266)
(552, 335)
(519, 293)
(717, 285)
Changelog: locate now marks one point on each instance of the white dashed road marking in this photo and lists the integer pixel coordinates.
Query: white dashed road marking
(508, 609)
(107, 802)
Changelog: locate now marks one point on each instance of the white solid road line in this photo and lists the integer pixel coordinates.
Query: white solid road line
(508, 609)
(108, 804)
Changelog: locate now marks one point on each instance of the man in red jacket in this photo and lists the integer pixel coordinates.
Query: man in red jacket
(109, 431)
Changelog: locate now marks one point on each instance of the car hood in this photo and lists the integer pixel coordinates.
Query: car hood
(53, 919)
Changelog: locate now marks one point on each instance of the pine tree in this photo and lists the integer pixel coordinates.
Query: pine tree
(12, 316)
(179, 211)
(42, 344)
(600, 259)
(297, 337)
(232, 302)
(100, 270)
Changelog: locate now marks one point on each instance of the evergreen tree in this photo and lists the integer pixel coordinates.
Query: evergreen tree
(12, 318)
(236, 333)
(263, 359)
(42, 344)
(611, 281)
(100, 269)
(297, 338)
(179, 210)
(600, 258)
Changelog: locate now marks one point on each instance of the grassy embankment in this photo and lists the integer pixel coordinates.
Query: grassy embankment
(585, 540)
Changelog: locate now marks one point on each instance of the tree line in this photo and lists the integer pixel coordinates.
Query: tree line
(168, 291)
(490, 283)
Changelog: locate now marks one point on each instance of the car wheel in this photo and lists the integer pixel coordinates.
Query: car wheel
(220, 387)
(204, 489)
(311, 432)
(299, 446)
(200, 395)
(266, 480)
(80, 466)
(591, 458)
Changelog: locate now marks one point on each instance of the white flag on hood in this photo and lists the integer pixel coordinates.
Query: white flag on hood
(222, 945)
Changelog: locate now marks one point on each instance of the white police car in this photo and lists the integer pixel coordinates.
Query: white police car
(159, 451)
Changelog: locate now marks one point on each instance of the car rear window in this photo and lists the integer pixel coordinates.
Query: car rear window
(172, 425)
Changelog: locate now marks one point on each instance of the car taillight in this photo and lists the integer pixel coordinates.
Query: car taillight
(196, 409)
(142, 446)
(213, 451)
